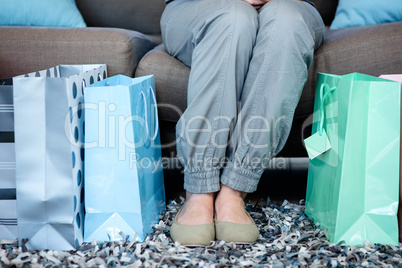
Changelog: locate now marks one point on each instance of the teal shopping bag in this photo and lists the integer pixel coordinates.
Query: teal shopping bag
(353, 175)
(124, 187)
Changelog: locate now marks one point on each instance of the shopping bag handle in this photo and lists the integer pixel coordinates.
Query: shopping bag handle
(156, 114)
(323, 97)
(146, 114)
(84, 84)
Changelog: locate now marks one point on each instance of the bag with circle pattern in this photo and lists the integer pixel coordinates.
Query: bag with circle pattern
(49, 138)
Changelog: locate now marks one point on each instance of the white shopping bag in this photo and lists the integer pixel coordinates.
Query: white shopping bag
(49, 136)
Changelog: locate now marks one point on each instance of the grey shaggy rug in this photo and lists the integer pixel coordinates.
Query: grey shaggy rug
(288, 239)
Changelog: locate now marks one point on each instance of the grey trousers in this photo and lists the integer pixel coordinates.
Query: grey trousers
(248, 69)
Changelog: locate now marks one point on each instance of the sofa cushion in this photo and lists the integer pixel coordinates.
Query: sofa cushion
(61, 13)
(372, 50)
(144, 15)
(366, 12)
(29, 49)
(138, 15)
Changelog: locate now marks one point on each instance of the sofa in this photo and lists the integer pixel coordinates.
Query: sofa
(125, 35)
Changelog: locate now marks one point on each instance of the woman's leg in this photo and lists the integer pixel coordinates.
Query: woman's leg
(214, 38)
(289, 32)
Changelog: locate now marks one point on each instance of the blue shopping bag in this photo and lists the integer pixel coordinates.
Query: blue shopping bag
(124, 187)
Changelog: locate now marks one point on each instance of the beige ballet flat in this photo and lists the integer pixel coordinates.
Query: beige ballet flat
(236, 232)
(192, 235)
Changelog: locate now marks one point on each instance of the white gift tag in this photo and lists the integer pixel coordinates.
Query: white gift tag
(317, 144)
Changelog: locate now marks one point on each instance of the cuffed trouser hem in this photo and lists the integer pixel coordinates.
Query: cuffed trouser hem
(240, 179)
(202, 182)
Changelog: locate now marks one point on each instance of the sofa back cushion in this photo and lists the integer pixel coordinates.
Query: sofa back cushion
(144, 15)
(139, 15)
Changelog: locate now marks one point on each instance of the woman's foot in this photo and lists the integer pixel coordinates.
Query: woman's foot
(198, 209)
(233, 223)
(193, 225)
(229, 206)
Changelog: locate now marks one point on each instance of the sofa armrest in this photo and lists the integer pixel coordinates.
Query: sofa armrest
(29, 49)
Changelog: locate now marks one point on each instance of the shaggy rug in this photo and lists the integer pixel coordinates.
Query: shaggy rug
(288, 239)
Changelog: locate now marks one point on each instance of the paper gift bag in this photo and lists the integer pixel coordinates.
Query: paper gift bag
(49, 136)
(8, 219)
(8, 203)
(8, 207)
(124, 187)
(353, 175)
(7, 157)
(6, 110)
(398, 78)
(7, 171)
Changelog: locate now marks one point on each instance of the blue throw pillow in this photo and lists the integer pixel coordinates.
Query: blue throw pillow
(51, 13)
(352, 13)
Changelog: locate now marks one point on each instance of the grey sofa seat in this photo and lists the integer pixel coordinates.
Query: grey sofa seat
(125, 35)
(372, 50)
